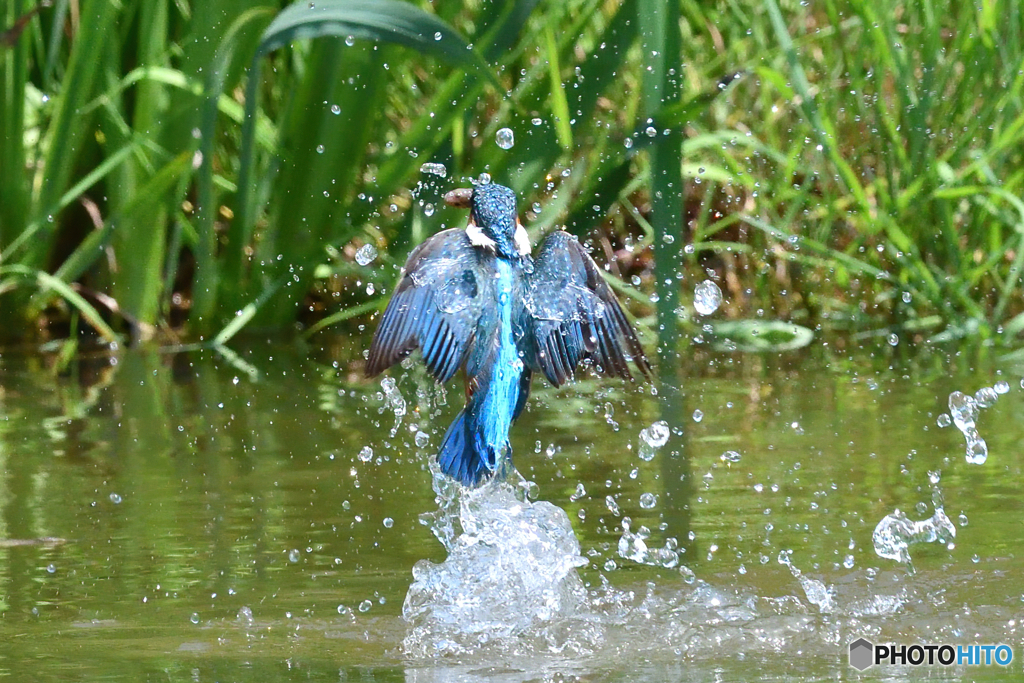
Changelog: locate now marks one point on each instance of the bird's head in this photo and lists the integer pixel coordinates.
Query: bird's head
(493, 220)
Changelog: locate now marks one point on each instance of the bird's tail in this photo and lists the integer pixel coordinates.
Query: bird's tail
(462, 457)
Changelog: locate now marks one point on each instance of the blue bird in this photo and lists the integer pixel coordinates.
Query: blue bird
(476, 299)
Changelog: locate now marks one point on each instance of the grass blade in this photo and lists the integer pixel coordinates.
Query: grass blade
(66, 131)
(660, 42)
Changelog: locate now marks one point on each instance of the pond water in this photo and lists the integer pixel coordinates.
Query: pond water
(258, 517)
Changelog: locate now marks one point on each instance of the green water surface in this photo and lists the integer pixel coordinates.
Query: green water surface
(188, 516)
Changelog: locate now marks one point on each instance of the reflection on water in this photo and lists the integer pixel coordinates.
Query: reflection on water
(261, 518)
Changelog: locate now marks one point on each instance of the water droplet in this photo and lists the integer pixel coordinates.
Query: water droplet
(438, 36)
(894, 339)
(578, 493)
(656, 435)
(365, 606)
(907, 297)
(350, 40)
(963, 409)
(51, 568)
(319, 149)
(651, 131)
(505, 138)
(848, 561)
(294, 555)
(698, 415)
(366, 254)
(1002, 387)
(943, 420)
(422, 439)
(986, 397)
(428, 209)
(613, 507)
(335, 109)
(429, 168)
(115, 499)
(648, 500)
(483, 179)
(707, 297)
(537, 121)
(651, 439)
(388, 522)
(610, 566)
(977, 449)
(962, 519)
(194, 618)
(730, 456)
(366, 454)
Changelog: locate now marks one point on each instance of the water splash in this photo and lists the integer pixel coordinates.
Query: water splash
(393, 401)
(509, 582)
(824, 597)
(633, 547)
(964, 411)
(896, 532)
(508, 597)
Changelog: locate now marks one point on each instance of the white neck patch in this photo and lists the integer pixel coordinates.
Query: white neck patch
(478, 238)
(522, 239)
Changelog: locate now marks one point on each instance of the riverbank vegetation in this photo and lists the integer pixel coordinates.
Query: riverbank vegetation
(190, 170)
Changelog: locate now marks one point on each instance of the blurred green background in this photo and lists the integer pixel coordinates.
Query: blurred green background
(187, 170)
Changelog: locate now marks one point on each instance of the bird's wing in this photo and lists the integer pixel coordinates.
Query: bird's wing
(435, 307)
(571, 314)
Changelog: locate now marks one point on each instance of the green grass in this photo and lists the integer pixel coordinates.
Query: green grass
(202, 169)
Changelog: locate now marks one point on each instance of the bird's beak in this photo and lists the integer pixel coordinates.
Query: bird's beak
(461, 198)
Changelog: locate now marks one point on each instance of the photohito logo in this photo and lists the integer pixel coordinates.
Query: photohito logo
(864, 654)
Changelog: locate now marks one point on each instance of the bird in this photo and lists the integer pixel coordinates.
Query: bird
(477, 299)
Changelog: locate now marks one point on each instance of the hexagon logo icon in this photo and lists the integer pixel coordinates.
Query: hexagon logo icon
(861, 654)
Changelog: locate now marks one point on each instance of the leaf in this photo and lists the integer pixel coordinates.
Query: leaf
(760, 336)
(385, 20)
(559, 105)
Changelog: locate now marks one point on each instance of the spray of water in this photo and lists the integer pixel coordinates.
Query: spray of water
(509, 583)
(894, 535)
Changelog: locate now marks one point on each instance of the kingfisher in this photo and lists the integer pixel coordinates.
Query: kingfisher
(476, 299)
